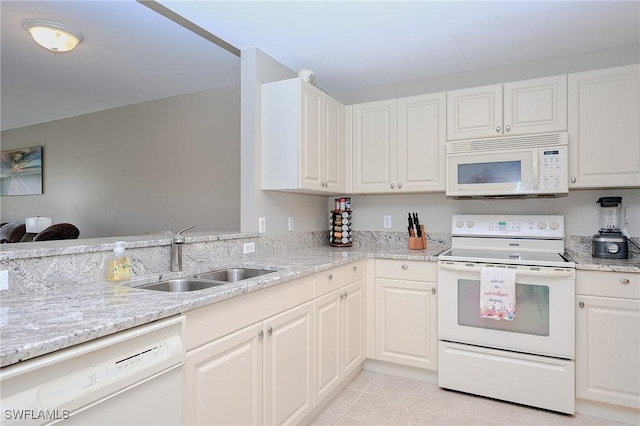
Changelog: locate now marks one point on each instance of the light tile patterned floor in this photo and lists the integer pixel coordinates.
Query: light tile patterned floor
(380, 399)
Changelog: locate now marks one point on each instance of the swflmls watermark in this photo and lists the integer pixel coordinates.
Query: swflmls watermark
(36, 414)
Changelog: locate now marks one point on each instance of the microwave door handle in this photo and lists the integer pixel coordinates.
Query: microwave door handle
(536, 172)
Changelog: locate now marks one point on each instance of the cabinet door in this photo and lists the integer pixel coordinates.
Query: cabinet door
(333, 162)
(474, 113)
(223, 380)
(608, 350)
(354, 332)
(311, 138)
(604, 128)
(535, 106)
(405, 322)
(328, 335)
(421, 143)
(288, 365)
(374, 146)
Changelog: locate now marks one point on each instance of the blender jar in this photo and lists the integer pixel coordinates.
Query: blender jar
(610, 213)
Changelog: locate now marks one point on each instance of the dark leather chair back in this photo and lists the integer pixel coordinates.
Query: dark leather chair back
(59, 231)
(12, 232)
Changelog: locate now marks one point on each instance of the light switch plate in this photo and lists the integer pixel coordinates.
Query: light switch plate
(249, 247)
(4, 280)
(387, 222)
(262, 225)
(290, 221)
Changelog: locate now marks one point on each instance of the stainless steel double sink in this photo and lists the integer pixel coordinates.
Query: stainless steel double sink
(206, 280)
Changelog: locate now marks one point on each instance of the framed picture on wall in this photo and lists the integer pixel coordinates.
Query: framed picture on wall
(21, 171)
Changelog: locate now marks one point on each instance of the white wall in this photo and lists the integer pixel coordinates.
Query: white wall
(153, 166)
(522, 71)
(579, 209)
(309, 211)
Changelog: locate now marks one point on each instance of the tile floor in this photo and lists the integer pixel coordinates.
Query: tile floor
(379, 399)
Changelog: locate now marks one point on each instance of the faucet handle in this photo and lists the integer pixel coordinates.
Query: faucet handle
(178, 237)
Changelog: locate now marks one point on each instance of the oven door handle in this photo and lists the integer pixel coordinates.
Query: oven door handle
(553, 272)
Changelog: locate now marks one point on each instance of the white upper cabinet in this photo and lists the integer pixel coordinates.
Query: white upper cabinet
(604, 128)
(374, 146)
(399, 145)
(518, 108)
(302, 137)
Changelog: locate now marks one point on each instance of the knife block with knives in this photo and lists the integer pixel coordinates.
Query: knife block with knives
(417, 237)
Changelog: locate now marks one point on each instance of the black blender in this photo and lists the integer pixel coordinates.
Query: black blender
(609, 243)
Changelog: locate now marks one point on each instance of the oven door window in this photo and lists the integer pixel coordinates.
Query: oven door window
(494, 172)
(532, 309)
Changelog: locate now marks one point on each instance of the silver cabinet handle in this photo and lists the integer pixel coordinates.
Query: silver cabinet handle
(573, 179)
(507, 128)
(330, 276)
(261, 335)
(624, 281)
(341, 296)
(400, 185)
(392, 186)
(405, 267)
(498, 128)
(433, 290)
(355, 268)
(581, 304)
(270, 331)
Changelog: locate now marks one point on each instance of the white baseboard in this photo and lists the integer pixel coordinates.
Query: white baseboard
(401, 370)
(607, 411)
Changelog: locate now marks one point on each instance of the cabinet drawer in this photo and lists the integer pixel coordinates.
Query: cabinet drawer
(412, 270)
(624, 285)
(353, 272)
(327, 281)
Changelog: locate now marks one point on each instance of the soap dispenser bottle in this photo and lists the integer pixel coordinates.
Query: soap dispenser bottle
(118, 265)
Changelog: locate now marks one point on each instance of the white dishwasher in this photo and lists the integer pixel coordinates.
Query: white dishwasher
(134, 377)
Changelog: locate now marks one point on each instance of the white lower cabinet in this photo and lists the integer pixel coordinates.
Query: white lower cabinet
(225, 378)
(340, 336)
(608, 340)
(406, 306)
(288, 366)
(223, 384)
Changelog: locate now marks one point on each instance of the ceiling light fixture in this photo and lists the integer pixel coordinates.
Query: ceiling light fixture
(58, 38)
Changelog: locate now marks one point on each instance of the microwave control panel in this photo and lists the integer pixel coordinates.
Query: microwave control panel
(551, 167)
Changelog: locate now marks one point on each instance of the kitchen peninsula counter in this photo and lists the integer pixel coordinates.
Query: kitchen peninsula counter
(45, 321)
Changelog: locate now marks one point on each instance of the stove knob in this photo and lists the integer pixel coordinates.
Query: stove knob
(542, 225)
(554, 225)
(470, 224)
(611, 248)
(459, 224)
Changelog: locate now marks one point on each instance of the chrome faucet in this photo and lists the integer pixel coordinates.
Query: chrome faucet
(176, 250)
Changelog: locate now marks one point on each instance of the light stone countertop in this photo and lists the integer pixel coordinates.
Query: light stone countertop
(39, 323)
(578, 249)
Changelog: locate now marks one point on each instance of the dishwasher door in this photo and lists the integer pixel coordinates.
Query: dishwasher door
(134, 377)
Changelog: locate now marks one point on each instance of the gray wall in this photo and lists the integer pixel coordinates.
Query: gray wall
(155, 166)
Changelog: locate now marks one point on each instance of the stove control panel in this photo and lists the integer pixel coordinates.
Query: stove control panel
(541, 226)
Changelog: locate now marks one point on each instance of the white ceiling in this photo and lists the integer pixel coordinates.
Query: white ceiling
(350, 44)
(130, 54)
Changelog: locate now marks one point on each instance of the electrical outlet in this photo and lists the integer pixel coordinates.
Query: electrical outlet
(249, 247)
(387, 222)
(262, 225)
(290, 223)
(4, 280)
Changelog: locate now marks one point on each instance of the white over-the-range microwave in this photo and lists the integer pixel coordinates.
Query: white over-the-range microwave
(531, 166)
